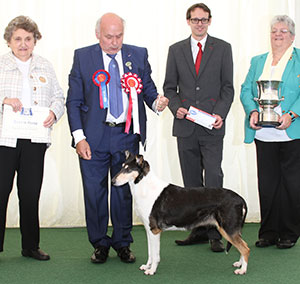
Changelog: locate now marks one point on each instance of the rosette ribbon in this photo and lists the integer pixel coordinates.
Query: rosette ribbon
(132, 85)
(101, 79)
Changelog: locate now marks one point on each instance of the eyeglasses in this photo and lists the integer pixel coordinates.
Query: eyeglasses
(283, 31)
(197, 20)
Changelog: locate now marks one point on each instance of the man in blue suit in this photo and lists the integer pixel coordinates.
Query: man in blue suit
(102, 128)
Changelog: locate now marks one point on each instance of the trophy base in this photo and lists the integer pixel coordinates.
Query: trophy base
(268, 123)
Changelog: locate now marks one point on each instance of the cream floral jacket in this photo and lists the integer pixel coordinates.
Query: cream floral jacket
(46, 91)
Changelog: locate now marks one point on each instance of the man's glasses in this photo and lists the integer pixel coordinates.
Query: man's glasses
(283, 31)
(197, 20)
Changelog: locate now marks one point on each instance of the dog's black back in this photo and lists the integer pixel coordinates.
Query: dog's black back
(189, 207)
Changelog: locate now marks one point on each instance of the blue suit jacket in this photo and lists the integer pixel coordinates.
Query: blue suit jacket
(83, 106)
(290, 90)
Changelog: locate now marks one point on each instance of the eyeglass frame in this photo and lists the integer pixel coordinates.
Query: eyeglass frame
(282, 31)
(206, 21)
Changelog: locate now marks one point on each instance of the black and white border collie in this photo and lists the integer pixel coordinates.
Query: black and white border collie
(162, 206)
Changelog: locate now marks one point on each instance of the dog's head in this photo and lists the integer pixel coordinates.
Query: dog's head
(134, 169)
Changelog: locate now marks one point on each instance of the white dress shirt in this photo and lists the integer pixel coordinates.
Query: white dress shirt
(195, 47)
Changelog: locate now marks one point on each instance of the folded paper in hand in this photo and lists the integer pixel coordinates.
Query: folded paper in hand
(201, 117)
(25, 124)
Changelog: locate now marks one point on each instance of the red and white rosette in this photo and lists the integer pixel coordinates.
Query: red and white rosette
(132, 85)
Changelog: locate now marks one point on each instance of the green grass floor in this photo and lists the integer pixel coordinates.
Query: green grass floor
(70, 254)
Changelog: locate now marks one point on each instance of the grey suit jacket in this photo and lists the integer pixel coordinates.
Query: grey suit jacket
(211, 91)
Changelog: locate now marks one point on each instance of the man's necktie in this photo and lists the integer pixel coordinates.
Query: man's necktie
(115, 92)
(198, 59)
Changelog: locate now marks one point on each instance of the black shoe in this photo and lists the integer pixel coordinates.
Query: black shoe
(36, 254)
(216, 245)
(262, 243)
(192, 240)
(100, 255)
(126, 255)
(285, 244)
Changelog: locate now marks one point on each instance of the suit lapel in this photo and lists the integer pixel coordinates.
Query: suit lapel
(208, 50)
(97, 57)
(187, 51)
(128, 61)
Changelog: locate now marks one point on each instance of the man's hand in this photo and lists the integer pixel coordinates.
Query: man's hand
(161, 102)
(219, 121)
(181, 113)
(83, 150)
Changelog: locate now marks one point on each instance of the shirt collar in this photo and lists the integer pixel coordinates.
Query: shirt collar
(194, 42)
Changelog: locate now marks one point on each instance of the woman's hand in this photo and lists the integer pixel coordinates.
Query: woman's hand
(254, 120)
(14, 103)
(285, 121)
(50, 119)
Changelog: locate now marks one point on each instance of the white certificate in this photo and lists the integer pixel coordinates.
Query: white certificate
(25, 124)
(201, 117)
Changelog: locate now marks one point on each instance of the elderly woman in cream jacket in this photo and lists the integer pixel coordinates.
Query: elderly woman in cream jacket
(26, 81)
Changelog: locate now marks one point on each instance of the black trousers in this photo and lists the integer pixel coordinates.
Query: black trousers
(27, 160)
(278, 165)
(200, 161)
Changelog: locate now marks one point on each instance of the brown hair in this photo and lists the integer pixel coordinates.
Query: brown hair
(22, 22)
(195, 6)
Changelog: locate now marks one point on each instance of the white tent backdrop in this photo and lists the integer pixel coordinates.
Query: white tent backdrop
(67, 25)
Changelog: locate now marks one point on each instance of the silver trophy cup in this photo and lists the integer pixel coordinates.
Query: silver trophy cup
(268, 99)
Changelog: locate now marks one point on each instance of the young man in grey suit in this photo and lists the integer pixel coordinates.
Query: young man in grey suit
(210, 89)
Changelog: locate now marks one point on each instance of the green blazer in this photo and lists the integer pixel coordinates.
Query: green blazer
(290, 90)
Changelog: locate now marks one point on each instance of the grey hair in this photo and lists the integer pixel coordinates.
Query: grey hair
(284, 19)
(22, 22)
(98, 23)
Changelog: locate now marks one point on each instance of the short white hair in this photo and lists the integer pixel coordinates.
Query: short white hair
(98, 23)
(284, 19)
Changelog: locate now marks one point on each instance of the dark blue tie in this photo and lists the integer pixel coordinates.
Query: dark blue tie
(115, 92)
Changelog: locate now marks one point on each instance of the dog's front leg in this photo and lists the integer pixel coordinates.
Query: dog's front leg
(154, 246)
(147, 266)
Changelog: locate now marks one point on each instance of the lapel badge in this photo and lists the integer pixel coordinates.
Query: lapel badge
(128, 64)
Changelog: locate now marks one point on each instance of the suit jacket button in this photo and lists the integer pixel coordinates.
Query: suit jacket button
(197, 88)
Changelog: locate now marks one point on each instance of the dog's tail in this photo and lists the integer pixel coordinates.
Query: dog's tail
(228, 247)
(245, 211)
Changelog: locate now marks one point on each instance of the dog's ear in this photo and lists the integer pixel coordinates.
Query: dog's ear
(145, 168)
(139, 160)
(127, 154)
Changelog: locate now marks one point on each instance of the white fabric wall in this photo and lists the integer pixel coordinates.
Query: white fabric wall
(67, 25)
